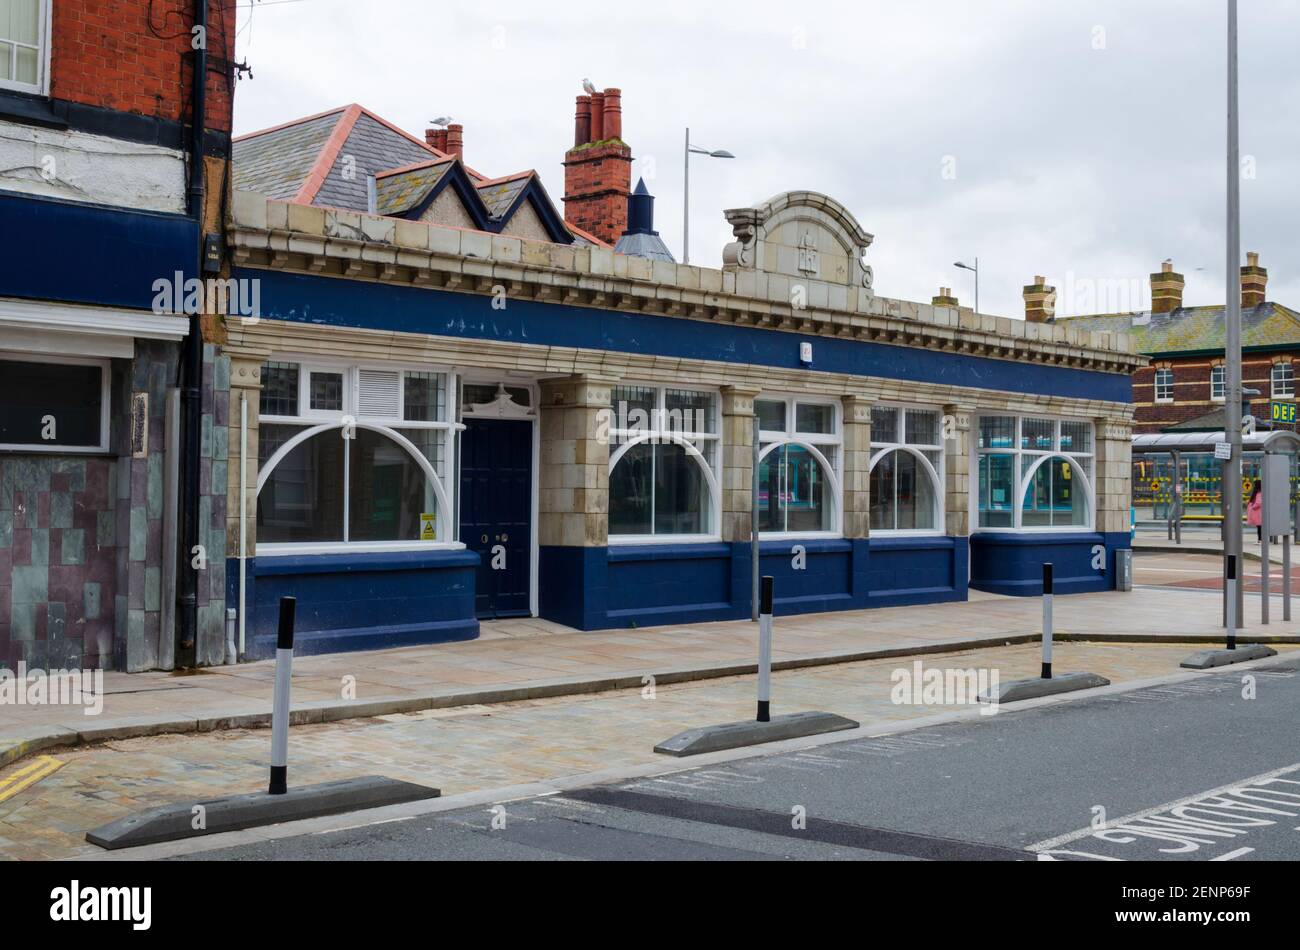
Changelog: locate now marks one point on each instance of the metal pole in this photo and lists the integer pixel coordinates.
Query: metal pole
(1047, 621)
(1232, 397)
(753, 522)
(1286, 576)
(1264, 527)
(1230, 597)
(686, 201)
(977, 285)
(243, 517)
(765, 654)
(280, 707)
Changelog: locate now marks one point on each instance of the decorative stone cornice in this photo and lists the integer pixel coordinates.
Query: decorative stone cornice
(305, 239)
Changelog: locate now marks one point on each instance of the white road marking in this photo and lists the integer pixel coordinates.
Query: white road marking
(1231, 855)
(1056, 842)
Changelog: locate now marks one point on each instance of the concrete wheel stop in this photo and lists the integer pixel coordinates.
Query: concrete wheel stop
(1017, 690)
(735, 735)
(1209, 659)
(236, 812)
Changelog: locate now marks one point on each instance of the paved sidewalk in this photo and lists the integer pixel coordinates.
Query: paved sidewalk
(532, 659)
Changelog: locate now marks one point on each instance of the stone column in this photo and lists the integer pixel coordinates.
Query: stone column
(857, 466)
(737, 460)
(245, 380)
(1113, 473)
(957, 420)
(574, 478)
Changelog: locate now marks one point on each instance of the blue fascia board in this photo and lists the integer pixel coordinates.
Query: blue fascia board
(92, 254)
(332, 301)
(353, 563)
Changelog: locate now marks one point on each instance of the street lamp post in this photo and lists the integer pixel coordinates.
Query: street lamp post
(1232, 343)
(686, 190)
(976, 270)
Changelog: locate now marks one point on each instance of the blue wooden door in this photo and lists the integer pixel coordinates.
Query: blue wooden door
(496, 477)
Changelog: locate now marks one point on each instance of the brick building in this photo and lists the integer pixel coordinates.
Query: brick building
(106, 195)
(1183, 385)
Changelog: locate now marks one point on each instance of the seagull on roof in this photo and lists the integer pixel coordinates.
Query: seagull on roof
(587, 87)
(442, 120)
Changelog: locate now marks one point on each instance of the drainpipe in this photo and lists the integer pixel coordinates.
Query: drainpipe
(187, 613)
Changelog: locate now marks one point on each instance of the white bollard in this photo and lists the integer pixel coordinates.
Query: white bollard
(280, 710)
(765, 652)
(1047, 621)
(1230, 596)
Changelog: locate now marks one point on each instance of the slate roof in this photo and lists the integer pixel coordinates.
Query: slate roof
(326, 159)
(1196, 329)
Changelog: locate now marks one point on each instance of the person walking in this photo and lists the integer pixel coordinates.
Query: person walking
(1255, 510)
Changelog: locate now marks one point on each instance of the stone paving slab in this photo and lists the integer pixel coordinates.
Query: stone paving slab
(518, 660)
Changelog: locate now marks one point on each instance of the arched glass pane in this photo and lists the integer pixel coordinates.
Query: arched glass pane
(681, 492)
(630, 491)
(902, 494)
(1055, 497)
(807, 492)
(771, 514)
(302, 499)
(388, 490)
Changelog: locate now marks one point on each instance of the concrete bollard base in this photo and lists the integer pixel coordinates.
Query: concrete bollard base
(1017, 690)
(174, 822)
(734, 735)
(1208, 659)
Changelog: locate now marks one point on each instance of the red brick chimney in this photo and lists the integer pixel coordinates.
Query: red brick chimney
(450, 140)
(598, 169)
(1254, 282)
(436, 138)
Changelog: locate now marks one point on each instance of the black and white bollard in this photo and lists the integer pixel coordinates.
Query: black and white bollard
(280, 710)
(1230, 593)
(1047, 621)
(765, 652)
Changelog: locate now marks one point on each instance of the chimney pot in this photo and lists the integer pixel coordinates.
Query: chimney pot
(436, 138)
(455, 139)
(582, 121)
(597, 117)
(613, 113)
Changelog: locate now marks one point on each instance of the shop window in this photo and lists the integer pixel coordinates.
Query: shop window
(49, 405)
(1045, 463)
(664, 455)
(906, 470)
(798, 470)
(353, 457)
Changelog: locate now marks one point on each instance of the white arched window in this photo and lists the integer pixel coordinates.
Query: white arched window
(798, 468)
(906, 470)
(1034, 474)
(353, 457)
(663, 465)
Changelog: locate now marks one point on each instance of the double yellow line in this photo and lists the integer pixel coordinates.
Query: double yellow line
(41, 767)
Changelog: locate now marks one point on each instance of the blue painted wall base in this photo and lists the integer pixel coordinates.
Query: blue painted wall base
(358, 601)
(1007, 563)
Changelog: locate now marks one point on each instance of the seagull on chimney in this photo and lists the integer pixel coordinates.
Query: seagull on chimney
(587, 87)
(443, 120)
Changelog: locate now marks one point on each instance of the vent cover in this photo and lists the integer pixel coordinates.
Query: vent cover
(379, 394)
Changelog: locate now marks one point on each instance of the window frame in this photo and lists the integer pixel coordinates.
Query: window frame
(316, 422)
(655, 435)
(769, 440)
(105, 403)
(1221, 372)
(878, 451)
(1272, 378)
(44, 20)
(1023, 478)
(1156, 385)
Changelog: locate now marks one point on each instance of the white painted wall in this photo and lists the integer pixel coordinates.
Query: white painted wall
(77, 166)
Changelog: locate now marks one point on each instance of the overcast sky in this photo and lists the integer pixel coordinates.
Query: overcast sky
(1083, 141)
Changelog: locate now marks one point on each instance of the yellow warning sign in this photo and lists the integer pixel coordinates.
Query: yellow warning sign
(429, 526)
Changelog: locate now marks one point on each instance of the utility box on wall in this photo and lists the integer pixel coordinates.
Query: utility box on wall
(1276, 494)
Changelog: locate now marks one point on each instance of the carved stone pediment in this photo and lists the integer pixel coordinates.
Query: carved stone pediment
(803, 235)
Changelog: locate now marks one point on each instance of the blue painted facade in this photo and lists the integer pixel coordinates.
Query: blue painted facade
(377, 306)
(118, 253)
(649, 585)
(358, 601)
(1008, 563)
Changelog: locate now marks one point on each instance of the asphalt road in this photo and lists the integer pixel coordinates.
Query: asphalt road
(1188, 771)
